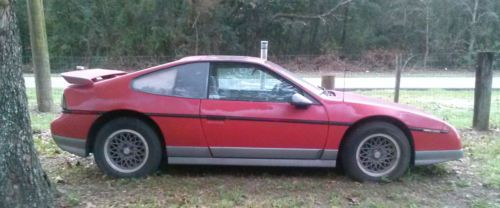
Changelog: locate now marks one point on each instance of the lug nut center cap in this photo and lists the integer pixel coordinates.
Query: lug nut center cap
(126, 150)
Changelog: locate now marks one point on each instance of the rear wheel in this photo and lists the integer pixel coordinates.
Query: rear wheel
(127, 147)
(375, 151)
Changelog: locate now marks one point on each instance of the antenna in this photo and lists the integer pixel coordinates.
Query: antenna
(343, 88)
(263, 49)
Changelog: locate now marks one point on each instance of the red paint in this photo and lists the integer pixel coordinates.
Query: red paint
(181, 131)
(183, 121)
(73, 125)
(335, 135)
(88, 77)
(280, 128)
(427, 141)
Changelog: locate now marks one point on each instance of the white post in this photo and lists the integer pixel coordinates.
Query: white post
(263, 49)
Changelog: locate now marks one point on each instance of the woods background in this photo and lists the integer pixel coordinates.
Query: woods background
(439, 33)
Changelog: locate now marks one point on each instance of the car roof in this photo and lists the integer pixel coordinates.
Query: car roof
(190, 59)
(224, 58)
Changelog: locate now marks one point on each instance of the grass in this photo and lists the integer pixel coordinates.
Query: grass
(73, 199)
(486, 150)
(190, 186)
(391, 73)
(45, 146)
(483, 204)
(454, 106)
(41, 121)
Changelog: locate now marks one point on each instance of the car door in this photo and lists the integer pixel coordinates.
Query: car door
(248, 115)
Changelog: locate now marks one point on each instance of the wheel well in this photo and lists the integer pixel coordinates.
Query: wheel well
(387, 119)
(108, 116)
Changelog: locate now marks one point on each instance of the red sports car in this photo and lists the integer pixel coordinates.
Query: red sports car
(235, 110)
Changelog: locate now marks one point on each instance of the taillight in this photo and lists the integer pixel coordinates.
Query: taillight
(64, 106)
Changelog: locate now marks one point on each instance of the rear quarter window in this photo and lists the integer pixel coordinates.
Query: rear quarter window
(188, 80)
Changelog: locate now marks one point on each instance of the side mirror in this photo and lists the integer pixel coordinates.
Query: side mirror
(300, 101)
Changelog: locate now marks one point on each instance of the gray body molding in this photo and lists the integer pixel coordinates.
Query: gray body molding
(439, 156)
(251, 162)
(188, 151)
(245, 156)
(265, 153)
(72, 145)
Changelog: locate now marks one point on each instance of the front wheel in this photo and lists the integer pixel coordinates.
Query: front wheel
(375, 151)
(127, 147)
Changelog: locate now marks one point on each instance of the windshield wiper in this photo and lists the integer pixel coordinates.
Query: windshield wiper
(326, 92)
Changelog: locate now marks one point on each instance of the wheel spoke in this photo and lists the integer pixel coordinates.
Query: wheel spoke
(377, 154)
(126, 150)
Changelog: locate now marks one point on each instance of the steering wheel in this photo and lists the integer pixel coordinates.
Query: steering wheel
(277, 87)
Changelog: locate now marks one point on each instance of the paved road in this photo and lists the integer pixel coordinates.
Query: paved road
(356, 83)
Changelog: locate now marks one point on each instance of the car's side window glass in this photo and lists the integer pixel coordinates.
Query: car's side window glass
(188, 80)
(247, 82)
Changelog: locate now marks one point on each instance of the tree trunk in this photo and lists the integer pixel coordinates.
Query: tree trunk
(427, 20)
(196, 16)
(312, 48)
(23, 182)
(472, 33)
(405, 25)
(40, 55)
(344, 26)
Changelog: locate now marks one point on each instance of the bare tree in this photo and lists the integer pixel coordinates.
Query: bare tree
(427, 10)
(473, 22)
(344, 25)
(40, 55)
(23, 182)
(322, 17)
(481, 16)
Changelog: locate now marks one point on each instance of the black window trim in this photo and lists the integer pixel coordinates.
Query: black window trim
(267, 70)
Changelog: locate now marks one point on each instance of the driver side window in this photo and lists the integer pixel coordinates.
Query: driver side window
(247, 82)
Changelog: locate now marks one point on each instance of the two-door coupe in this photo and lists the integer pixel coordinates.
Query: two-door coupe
(235, 110)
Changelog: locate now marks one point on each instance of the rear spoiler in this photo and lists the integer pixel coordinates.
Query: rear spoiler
(89, 76)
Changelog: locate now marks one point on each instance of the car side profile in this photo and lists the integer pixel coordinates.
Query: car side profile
(236, 110)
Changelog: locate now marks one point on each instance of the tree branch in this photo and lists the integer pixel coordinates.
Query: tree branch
(311, 17)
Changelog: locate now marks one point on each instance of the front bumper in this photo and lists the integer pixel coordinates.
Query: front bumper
(437, 156)
(72, 145)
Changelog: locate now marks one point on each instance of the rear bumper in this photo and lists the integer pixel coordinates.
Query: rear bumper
(72, 145)
(437, 156)
(70, 132)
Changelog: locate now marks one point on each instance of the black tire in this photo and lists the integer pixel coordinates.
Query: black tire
(370, 152)
(132, 141)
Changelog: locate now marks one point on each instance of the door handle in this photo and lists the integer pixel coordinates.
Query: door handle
(216, 118)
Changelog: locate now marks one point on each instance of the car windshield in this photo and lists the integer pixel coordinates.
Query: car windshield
(315, 89)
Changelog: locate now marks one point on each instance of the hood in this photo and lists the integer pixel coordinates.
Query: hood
(362, 99)
(351, 107)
